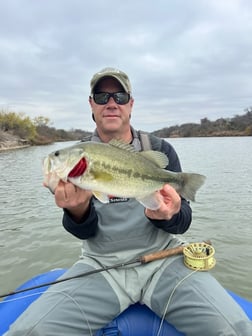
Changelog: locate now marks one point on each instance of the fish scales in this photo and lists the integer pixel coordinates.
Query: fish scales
(129, 165)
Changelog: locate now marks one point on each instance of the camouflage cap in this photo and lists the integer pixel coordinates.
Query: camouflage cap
(119, 75)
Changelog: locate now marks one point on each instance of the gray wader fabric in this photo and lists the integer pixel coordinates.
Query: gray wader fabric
(196, 301)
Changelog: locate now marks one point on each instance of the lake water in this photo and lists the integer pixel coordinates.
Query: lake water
(33, 241)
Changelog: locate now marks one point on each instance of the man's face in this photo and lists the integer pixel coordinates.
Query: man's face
(111, 117)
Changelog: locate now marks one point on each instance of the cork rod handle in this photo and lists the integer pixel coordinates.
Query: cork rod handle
(162, 254)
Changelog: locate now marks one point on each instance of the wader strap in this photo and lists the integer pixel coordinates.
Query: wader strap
(145, 140)
(149, 141)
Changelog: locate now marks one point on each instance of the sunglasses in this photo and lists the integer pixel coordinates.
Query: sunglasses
(120, 98)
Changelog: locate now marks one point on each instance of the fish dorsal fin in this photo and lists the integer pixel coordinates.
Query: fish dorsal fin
(159, 158)
(122, 145)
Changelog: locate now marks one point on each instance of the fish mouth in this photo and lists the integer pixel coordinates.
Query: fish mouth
(78, 169)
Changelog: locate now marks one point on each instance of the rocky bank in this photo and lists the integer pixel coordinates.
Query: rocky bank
(10, 141)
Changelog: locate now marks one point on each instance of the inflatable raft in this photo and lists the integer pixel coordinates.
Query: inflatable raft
(137, 320)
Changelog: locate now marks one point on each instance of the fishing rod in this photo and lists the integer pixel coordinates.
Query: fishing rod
(140, 260)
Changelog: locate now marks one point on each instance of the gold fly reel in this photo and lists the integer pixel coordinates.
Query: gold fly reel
(199, 256)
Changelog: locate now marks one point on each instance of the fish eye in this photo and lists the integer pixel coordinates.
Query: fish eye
(56, 153)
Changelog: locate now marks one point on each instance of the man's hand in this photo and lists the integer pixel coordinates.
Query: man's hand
(170, 204)
(72, 198)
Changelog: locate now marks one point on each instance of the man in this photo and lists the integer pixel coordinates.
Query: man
(121, 231)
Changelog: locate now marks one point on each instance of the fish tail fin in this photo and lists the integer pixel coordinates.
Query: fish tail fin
(191, 183)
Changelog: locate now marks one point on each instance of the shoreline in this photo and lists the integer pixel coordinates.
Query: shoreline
(6, 148)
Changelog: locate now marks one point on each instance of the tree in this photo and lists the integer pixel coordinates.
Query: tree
(41, 121)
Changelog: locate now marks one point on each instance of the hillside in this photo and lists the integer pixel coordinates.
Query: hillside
(236, 126)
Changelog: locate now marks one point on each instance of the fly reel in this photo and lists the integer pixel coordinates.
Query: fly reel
(199, 256)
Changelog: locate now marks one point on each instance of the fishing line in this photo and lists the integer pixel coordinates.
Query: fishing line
(78, 306)
(57, 292)
(170, 297)
(22, 297)
(198, 257)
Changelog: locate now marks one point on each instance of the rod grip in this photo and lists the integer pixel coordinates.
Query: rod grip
(161, 254)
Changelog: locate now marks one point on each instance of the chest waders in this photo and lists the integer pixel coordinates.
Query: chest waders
(147, 142)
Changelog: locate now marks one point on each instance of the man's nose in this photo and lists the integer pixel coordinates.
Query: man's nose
(111, 101)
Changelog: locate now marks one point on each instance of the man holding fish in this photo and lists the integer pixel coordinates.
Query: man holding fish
(124, 202)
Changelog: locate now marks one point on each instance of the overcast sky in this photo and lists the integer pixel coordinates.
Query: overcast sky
(187, 59)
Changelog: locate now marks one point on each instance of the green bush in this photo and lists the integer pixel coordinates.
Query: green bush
(18, 124)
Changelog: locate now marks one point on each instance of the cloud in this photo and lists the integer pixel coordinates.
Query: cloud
(186, 60)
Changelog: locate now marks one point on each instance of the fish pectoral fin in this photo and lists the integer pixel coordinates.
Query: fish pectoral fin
(160, 159)
(150, 201)
(103, 198)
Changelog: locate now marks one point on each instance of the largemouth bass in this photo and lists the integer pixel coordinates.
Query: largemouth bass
(117, 169)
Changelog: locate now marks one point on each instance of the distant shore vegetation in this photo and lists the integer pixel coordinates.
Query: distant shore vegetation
(38, 131)
(35, 131)
(239, 125)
